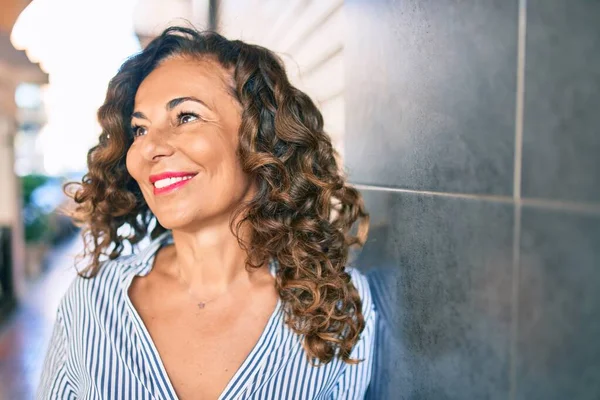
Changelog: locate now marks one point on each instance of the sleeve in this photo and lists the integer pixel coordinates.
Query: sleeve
(354, 381)
(54, 383)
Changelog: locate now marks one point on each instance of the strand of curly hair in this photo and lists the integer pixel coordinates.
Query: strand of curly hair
(302, 215)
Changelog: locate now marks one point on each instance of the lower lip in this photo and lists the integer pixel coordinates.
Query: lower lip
(171, 188)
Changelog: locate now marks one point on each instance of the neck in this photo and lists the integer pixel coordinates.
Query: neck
(209, 260)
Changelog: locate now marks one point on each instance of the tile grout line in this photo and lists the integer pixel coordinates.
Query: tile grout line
(495, 198)
(559, 205)
(517, 177)
(514, 331)
(571, 206)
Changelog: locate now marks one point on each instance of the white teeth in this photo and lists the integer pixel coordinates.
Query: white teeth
(169, 181)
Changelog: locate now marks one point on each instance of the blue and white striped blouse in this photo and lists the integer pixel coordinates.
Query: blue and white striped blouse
(100, 348)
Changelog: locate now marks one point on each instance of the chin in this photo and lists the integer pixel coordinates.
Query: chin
(174, 219)
(170, 223)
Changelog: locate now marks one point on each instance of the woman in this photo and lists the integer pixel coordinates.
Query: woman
(242, 292)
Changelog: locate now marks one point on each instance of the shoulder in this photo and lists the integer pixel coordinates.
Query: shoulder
(109, 285)
(87, 292)
(103, 294)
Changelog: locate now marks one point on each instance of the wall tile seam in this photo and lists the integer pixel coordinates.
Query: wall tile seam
(517, 196)
(514, 326)
(520, 99)
(556, 205)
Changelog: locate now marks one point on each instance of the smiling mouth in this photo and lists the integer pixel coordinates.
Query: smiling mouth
(166, 183)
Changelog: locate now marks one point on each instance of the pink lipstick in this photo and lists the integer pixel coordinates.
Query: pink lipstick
(168, 182)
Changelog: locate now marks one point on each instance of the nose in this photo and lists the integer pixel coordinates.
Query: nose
(155, 146)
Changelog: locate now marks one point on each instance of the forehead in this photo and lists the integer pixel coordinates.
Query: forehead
(180, 76)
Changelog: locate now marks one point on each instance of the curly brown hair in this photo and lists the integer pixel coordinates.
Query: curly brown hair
(303, 212)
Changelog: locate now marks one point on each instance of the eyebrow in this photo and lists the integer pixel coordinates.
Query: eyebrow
(172, 104)
(138, 114)
(175, 102)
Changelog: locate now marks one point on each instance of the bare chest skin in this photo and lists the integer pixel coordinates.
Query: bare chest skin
(202, 349)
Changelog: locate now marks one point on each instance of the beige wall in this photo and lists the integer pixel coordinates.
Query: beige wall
(308, 35)
(150, 17)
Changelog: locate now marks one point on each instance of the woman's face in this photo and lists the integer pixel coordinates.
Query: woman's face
(185, 126)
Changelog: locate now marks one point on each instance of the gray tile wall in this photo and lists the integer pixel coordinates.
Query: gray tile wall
(431, 85)
(473, 132)
(561, 142)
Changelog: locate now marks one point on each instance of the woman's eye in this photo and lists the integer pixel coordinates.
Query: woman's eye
(184, 118)
(138, 131)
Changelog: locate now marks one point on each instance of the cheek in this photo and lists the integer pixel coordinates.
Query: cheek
(205, 149)
(132, 163)
(219, 163)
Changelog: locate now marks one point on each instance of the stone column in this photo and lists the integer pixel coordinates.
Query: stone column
(10, 200)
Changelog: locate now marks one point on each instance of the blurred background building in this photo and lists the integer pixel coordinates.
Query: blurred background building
(471, 128)
(20, 113)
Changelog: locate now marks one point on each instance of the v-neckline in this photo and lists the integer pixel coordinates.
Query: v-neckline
(150, 351)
